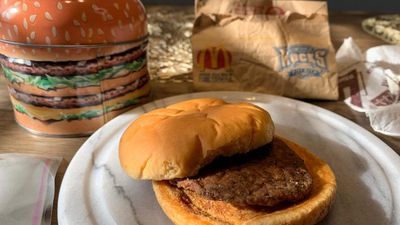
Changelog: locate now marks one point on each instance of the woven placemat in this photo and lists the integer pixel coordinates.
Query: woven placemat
(170, 52)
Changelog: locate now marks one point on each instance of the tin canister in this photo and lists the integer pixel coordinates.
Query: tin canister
(71, 66)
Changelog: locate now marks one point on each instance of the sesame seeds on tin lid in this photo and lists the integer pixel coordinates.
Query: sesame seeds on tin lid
(36, 4)
(84, 17)
(126, 14)
(83, 32)
(24, 7)
(48, 41)
(33, 35)
(15, 27)
(67, 36)
(25, 24)
(9, 33)
(32, 18)
(100, 31)
(48, 16)
(76, 23)
(90, 32)
(113, 33)
(104, 17)
(59, 6)
(61, 22)
(54, 31)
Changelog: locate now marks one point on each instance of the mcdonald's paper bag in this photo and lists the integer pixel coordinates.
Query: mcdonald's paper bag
(275, 47)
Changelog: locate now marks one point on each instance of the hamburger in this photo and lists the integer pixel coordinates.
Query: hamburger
(71, 67)
(214, 162)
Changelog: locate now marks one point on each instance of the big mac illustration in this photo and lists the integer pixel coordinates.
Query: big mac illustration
(73, 65)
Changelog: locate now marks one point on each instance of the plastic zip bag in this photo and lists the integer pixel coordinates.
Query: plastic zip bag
(27, 189)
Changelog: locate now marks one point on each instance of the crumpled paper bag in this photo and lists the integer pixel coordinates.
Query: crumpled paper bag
(267, 46)
(370, 83)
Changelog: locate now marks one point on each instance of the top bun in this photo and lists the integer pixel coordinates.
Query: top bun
(89, 22)
(176, 141)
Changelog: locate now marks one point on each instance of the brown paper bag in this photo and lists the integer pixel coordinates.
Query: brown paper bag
(275, 47)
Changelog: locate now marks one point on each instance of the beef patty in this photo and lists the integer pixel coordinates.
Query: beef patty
(268, 176)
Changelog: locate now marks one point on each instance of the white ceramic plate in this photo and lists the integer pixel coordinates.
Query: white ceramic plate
(95, 190)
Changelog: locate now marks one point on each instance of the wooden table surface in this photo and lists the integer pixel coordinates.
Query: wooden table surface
(15, 139)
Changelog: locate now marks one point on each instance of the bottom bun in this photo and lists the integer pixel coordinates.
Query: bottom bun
(188, 208)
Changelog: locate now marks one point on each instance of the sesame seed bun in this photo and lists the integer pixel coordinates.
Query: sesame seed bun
(48, 23)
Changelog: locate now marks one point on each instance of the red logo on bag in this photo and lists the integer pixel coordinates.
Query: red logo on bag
(244, 9)
(384, 99)
(273, 10)
(214, 58)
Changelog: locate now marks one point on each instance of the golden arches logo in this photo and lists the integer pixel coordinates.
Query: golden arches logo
(214, 58)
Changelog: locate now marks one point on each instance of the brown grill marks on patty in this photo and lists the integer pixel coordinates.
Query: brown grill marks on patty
(79, 101)
(268, 176)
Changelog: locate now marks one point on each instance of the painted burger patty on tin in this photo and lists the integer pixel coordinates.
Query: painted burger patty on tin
(116, 82)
